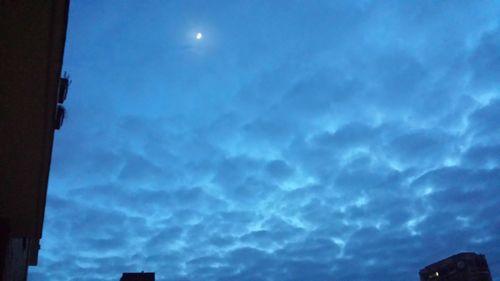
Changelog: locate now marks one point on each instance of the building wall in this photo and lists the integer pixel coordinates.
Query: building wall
(32, 39)
(466, 266)
(32, 36)
(16, 259)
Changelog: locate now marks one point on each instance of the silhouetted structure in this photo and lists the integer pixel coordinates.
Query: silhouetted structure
(32, 36)
(142, 276)
(459, 267)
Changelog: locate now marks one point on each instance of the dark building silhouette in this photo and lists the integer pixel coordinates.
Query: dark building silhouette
(32, 36)
(459, 267)
(141, 276)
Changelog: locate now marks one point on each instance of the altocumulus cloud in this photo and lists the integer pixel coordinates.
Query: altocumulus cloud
(296, 141)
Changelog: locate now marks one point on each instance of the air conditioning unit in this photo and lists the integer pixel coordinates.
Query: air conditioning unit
(64, 83)
(60, 112)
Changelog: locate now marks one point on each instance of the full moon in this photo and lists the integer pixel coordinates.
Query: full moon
(199, 36)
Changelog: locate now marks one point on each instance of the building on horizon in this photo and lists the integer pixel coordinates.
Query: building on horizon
(465, 266)
(140, 276)
(33, 36)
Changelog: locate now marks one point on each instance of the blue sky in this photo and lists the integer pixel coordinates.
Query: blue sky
(298, 140)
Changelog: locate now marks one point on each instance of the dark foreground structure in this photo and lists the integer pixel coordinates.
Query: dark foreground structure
(459, 267)
(32, 39)
(142, 276)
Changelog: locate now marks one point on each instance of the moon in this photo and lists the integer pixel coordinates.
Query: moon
(199, 36)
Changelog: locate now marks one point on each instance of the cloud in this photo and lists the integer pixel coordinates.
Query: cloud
(482, 122)
(485, 62)
(354, 141)
(481, 156)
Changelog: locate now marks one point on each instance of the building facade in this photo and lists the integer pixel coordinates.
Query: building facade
(32, 40)
(459, 267)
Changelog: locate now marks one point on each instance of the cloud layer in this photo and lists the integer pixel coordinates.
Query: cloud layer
(297, 141)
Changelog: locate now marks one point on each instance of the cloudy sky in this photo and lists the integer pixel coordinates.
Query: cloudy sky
(297, 141)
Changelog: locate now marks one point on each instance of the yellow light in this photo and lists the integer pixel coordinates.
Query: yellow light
(437, 274)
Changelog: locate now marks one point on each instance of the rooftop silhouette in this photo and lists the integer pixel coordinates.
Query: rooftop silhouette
(460, 267)
(140, 276)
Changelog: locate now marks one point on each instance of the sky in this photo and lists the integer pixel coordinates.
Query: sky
(296, 141)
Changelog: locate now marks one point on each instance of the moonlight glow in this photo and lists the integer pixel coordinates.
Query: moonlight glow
(199, 36)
